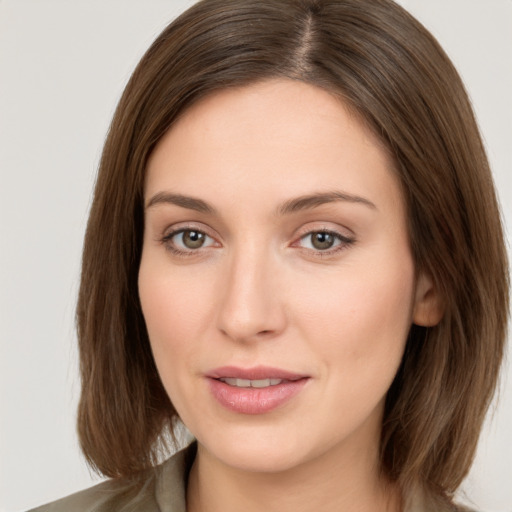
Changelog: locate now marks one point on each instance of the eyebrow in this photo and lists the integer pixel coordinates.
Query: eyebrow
(294, 205)
(191, 203)
(314, 200)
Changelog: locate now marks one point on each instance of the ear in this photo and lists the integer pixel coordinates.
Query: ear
(428, 307)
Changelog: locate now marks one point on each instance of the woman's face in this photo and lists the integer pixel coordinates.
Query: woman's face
(276, 279)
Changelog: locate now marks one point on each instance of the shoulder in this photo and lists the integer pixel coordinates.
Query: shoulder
(418, 500)
(112, 495)
(161, 489)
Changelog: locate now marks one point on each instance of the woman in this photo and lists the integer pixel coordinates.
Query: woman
(295, 248)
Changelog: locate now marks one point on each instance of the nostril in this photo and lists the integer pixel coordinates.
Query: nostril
(265, 333)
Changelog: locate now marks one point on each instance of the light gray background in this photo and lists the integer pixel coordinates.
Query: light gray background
(63, 66)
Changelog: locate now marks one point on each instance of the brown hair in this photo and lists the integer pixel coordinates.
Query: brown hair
(382, 62)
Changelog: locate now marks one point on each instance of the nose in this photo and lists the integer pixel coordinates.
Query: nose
(251, 306)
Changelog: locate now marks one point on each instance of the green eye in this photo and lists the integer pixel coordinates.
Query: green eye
(192, 239)
(322, 241)
(187, 240)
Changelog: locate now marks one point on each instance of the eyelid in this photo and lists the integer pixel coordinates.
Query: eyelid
(324, 227)
(338, 235)
(345, 240)
(173, 234)
(187, 226)
(171, 231)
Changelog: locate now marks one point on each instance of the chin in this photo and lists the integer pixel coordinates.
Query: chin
(261, 461)
(257, 453)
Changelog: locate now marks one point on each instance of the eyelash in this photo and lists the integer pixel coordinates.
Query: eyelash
(343, 242)
(167, 241)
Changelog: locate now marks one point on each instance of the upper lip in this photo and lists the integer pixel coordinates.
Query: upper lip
(254, 373)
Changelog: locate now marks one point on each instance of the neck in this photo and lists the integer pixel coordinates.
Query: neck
(329, 483)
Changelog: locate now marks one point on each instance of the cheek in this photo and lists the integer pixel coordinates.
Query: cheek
(362, 315)
(177, 309)
(356, 326)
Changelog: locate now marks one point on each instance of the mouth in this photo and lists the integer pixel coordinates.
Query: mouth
(247, 383)
(255, 374)
(256, 390)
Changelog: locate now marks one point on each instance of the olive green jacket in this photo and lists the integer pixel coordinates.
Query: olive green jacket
(162, 489)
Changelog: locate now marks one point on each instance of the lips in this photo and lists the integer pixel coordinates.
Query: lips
(257, 390)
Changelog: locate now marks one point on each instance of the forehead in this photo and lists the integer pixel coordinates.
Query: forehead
(278, 137)
(276, 111)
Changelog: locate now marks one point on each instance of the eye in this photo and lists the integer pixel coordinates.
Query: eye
(187, 240)
(324, 241)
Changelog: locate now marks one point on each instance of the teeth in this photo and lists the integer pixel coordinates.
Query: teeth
(264, 383)
(246, 383)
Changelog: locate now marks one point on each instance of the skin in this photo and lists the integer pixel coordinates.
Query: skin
(260, 292)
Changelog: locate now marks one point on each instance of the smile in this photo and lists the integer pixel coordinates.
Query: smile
(247, 383)
(257, 390)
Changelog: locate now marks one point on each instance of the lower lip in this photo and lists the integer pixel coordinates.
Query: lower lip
(255, 400)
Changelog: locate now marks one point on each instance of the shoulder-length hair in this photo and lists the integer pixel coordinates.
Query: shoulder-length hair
(383, 63)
